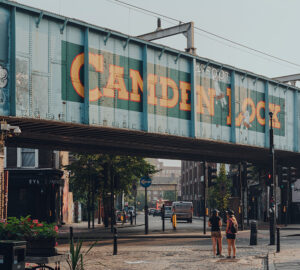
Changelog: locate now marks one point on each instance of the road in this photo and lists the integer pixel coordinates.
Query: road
(155, 225)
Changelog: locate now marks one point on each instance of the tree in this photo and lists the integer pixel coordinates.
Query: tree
(104, 174)
(219, 194)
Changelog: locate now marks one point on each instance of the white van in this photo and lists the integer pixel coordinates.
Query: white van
(183, 211)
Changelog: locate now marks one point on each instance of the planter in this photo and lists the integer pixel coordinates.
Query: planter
(41, 247)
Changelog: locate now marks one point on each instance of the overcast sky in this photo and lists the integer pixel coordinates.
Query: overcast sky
(271, 26)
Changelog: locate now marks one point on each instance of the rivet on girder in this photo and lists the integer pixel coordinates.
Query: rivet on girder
(39, 19)
(161, 53)
(106, 38)
(243, 78)
(207, 64)
(220, 69)
(64, 26)
(126, 43)
(177, 57)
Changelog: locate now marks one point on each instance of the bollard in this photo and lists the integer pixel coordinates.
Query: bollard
(218, 248)
(174, 222)
(163, 217)
(71, 234)
(115, 242)
(278, 240)
(131, 218)
(253, 233)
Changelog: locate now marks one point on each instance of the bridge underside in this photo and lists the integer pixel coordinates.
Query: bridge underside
(74, 137)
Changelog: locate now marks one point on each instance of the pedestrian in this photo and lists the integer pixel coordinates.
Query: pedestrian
(215, 223)
(231, 231)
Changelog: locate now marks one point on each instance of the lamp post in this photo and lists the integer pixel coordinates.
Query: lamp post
(6, 131)
(272, 198)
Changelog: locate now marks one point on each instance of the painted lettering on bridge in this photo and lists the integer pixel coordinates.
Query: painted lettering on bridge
(116, 81)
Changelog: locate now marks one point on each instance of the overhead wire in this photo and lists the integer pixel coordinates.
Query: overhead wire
(168, 19)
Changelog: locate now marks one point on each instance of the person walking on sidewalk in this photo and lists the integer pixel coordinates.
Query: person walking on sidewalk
(215, 223)
(231, 231)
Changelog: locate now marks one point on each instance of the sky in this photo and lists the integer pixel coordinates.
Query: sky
(270, 26)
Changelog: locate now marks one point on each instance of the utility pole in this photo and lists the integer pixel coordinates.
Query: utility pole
(272, 198)
(146, 211)
(242, 196)
(205, 172)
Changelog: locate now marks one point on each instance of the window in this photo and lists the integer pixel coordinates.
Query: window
(28, 157)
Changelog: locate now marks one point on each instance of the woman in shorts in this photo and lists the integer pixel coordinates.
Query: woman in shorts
(215, 223)
(231, 230)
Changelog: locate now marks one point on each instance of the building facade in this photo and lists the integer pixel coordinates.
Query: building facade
(38, 184)
(192, 183)
(165, 183)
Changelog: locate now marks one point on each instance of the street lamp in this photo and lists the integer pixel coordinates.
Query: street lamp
(6, 130)
(272, 197)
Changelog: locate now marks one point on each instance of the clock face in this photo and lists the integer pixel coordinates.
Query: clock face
(3, 77)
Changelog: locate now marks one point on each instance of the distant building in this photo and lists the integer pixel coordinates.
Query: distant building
(192, 184)
(165, 183)
(192, 181)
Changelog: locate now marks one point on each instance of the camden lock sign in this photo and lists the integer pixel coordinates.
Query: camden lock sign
(116, 81)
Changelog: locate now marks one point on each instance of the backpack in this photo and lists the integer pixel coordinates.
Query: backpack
(233, 228)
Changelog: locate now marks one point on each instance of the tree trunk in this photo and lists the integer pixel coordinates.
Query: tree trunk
(89, 205)
(93, 204)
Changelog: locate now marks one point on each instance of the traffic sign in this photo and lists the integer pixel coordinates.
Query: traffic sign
(145, 181)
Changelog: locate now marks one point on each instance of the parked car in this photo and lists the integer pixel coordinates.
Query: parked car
(157, 212)
(151, 211)
(168, 211)
(183, 211)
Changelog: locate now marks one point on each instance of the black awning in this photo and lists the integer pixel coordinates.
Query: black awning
(25, 177)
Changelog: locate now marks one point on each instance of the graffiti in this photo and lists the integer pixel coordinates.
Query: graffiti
(3, 77)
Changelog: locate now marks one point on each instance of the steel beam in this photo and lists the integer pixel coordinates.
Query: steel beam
(296, 120)
(86, 77)
(232, 100)
(145, 89)
(12, 49)
(187, 29)
(193, 125)
(288, 78)
(267, 124)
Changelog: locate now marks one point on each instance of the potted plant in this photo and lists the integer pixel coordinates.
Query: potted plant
(40, 236)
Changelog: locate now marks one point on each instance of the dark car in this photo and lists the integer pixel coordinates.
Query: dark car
(157, 212)
(151, 211)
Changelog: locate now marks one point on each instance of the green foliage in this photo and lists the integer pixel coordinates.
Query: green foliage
(219, 194)
(102, 172)
(25, 228)
(75, 260)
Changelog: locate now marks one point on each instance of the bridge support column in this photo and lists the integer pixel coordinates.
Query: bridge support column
(3, 184)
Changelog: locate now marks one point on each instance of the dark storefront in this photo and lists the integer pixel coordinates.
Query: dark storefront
(35, 192)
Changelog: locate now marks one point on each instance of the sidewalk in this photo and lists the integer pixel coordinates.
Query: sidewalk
(174, 254)
(182, 249)
(287, 259)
